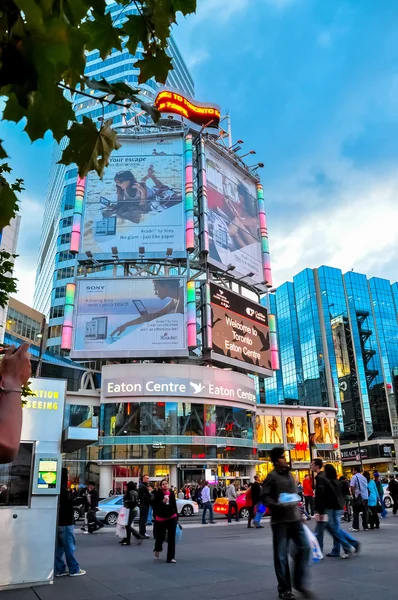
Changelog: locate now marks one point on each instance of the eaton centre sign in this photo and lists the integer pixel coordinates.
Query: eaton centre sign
(154, 380)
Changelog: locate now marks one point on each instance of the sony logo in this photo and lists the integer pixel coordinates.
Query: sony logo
(95, 287)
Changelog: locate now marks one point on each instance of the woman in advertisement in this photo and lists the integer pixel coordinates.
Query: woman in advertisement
(318, 430)
(136, 198)
(289, 430)
(273, 427)
(163, 288)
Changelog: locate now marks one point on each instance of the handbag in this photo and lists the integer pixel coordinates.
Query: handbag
(123, 517)
(379, 507)
(178, 533)
(357, 502)
(316, 552)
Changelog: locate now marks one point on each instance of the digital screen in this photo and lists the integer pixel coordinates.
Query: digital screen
(130, 317)
(234, 226)
(240, 332)
(47, 478)
(138, 202)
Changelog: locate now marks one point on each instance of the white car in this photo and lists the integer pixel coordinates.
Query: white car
(108, 509)
(387, 497)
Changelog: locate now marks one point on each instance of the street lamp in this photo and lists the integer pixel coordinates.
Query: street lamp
(40, 336)
(311, 412)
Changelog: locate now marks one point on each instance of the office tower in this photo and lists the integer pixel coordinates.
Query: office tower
(338, 343)
(57, 266)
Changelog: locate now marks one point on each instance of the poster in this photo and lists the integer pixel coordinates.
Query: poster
(289, 429)
(138, 203)
(210, 420)
(234, 230)
(240, 332)
(260, 429)
(273, 429)
(301, 430)
(317, 430)
(130, 317)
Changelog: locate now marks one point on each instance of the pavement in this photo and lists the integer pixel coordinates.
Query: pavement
(220, 562)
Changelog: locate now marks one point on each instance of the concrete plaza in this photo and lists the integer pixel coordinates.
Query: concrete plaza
(218, 562)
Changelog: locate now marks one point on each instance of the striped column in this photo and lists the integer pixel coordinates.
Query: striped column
(189, 213)
(67, 327)
(77, 216)
(264, 236)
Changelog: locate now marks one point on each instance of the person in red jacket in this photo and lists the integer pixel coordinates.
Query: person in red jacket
(308, 493)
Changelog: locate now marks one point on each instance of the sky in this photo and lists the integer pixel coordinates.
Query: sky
(312, 87)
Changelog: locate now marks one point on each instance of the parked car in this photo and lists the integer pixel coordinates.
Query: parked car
(108, 509)
(79, 505)
(387, 498)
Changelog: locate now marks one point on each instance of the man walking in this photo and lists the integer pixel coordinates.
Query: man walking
(206, 502)
(145, 502)
(232, 504)
(320, 500)
(393, 489)
(360, 496)
(308, 493)
(286, 525)
(93, 497)
(66, 543)
(256, 502)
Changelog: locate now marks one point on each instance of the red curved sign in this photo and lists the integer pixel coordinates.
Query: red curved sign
(202, 114)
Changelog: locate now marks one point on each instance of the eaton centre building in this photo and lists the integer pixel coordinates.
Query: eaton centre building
(338, 344)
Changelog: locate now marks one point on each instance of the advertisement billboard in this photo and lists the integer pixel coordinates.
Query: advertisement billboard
(233, 219)
(138, 204)
(130, 317)
(239, 331)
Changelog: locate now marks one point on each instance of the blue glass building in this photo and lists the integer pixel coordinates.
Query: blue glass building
(338, 344)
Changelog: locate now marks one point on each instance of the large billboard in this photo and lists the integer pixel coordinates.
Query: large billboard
(130, 317)
(239, 331)
(138, 204)
(233, 219)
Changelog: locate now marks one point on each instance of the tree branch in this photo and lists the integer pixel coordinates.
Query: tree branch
(102, 99)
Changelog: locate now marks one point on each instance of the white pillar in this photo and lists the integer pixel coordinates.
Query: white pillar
(105, 481)
(251, 471)
(173, 475)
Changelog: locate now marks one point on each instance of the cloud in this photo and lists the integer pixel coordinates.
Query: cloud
(28, 247)
(197, 58)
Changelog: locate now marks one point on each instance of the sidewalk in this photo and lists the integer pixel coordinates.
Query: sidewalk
(220, 562)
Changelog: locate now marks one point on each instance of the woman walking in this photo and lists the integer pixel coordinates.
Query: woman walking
(166, 517)
(130, 501)
(374, 522)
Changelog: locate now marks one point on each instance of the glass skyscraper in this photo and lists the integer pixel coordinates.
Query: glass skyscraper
(57, 266)
(338, 344)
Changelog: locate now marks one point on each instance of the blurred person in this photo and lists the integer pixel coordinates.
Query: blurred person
(345, 490)
(256, 494)
(15, 370)
(145, 502)
(380, 491)
(166, 517)
(181, 495)
(360, 495)
(373, 501)
(308, 493)
(130, 501)
(232, 503)
(286, 526)
(333, 506)
(207, 505)
(393, 490)
(320, 501)
(66, 542)
(93, 498)
(215, 493)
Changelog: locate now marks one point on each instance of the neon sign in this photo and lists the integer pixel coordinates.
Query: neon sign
(201, 114)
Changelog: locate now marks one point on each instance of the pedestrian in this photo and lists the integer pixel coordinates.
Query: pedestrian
(319, 503)
(66, 542)
(93, 498)
(150, 513)
(232, 504)
(130, 501)
(308, 493)
(286, 526)
(207, 505)
(373, 502)
(360, 495)
(393, 490)
(215, 493)
(181, 495)
(166, 517)
(334, 505)
(145, 502)
(380, 491)
(345, 490)
(256, 493)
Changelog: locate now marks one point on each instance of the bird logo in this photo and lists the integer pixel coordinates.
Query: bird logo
(198, 387)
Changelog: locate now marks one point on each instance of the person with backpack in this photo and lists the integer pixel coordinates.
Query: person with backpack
(345, 490)
(333, 505)
(130, 501)
(360, 496)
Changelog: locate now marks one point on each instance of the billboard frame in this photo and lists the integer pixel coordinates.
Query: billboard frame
(133, 354)
(220, 359)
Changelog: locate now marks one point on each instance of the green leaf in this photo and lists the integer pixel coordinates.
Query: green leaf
(103, 35)
(75, 10)
(33, 14)
(3, 153)
(8, 284)
(90, 148)
(137, 31)
(49, 113)
(13, 111)
(154, 66)
(119, 89)
(185, 6)
(8, 203)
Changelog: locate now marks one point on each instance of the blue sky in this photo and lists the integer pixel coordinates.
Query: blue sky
(312, 86)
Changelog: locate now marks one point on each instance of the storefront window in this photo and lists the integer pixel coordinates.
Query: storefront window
(15, 478)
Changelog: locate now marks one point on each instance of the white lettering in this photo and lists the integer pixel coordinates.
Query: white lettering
(242, 338)
(166, 388)
(237, 325)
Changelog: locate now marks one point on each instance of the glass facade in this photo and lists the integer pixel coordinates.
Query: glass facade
(338, 343)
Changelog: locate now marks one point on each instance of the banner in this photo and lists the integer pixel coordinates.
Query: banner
(239, 331)
(233, 220)
(138, 205)
(130, 317)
